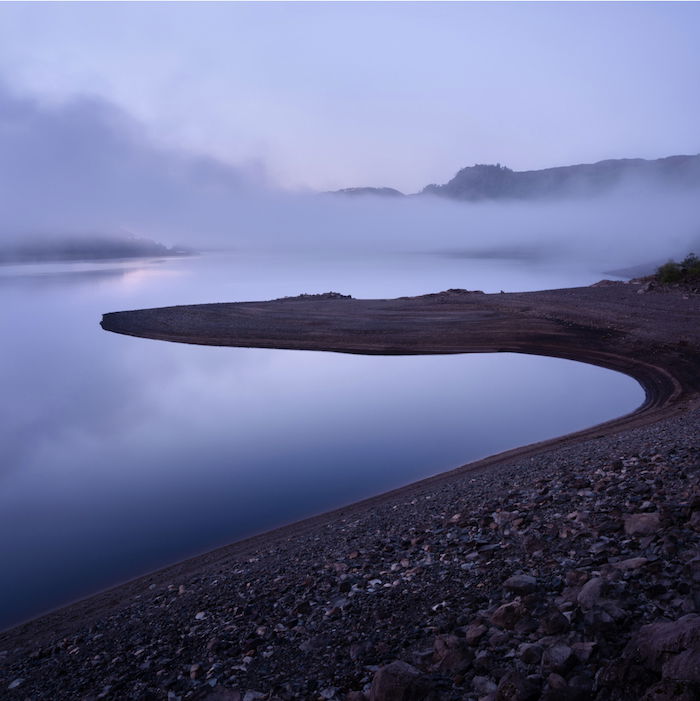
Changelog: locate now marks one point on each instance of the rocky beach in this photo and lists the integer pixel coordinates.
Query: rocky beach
(568, 569)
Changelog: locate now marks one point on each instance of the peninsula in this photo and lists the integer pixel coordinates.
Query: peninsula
(568, 569)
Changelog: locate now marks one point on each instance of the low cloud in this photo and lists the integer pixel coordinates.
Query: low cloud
(85, 167)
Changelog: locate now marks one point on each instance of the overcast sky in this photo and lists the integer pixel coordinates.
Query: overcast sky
(328, 95)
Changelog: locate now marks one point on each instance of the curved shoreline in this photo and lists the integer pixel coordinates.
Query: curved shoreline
(647, 337)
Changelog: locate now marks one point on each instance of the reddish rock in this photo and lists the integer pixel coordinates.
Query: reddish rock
(508, 615)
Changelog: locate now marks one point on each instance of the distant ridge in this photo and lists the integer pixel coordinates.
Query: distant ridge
(380, 191)
(496, 182)
(40, 249)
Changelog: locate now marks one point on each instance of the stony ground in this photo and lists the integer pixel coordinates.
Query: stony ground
(571, 575)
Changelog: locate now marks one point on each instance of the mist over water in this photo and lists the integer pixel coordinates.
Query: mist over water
(85, 167)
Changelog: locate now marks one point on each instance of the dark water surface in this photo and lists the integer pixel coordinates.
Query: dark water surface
(120, 455)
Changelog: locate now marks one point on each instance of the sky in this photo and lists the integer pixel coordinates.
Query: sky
(329, 95)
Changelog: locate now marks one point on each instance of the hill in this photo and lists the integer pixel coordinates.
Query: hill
(497, 182)
(481, 182)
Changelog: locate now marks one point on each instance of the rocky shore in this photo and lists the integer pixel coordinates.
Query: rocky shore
(565, 570)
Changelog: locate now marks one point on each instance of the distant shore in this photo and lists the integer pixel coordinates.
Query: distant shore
(302, 593)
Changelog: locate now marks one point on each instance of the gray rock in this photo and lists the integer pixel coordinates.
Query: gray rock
(474, 633)
(558, 658)
(521, 584)
(554, 622)
(590, 593)
(220, 693)
(483, 685)
(642, 524)
(657, 643)
(530, 653)
(683, 667)
(584, 650)
(514, 686)
(398, 681)
(451, 654)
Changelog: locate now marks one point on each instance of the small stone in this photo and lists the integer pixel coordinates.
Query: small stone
(556, 681)
(474, 633)
(220, 693)
(559, 658)
(200, 616)
(514, 686)
(584, 650)
(521, 584)
(554, 622)
(398, 681)
(590, 593)
(508, 615)
(252, 695)
(355, 696)
(195, 671)
(483, 685)
(530, 653)
(642, 524)
(451, 654)
(17, 682)
(634, 563)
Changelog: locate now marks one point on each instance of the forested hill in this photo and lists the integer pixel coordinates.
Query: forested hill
(496, 182)
(482, 182)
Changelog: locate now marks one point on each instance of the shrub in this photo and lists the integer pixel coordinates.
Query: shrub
(687, 271)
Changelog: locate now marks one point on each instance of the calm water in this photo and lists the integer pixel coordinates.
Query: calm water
(120, 455)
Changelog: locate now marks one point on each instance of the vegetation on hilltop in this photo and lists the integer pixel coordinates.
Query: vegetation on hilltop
(685, 272)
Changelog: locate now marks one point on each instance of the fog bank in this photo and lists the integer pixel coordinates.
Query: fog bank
(85, 168)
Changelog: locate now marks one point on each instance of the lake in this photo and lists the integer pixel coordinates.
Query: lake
(121, 455)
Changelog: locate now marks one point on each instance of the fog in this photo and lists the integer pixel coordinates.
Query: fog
(85, 167)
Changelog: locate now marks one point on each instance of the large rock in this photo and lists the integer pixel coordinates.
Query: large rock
(670, 648)
(399, 681)
(661, 661)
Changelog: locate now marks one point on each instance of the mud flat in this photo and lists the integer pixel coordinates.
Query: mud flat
(562, 570)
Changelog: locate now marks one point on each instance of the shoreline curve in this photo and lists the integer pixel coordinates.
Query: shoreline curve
(649, 337)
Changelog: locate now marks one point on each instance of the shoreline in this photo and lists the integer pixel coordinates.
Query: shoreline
(646, 336)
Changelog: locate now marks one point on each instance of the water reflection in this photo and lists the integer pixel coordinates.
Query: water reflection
(122, 454)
